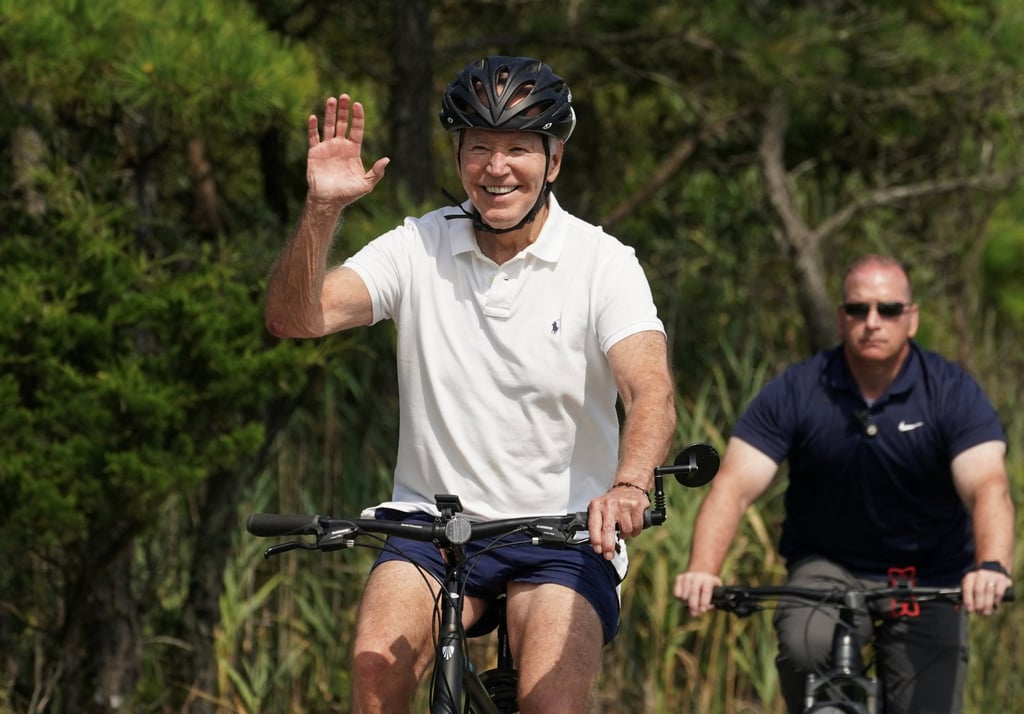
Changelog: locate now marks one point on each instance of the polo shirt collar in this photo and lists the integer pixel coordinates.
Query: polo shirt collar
(911, 371)
(837, 372)
(547, 247)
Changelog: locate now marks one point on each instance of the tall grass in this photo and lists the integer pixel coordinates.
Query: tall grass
(669, 661)
(286, 627)
(997, 653)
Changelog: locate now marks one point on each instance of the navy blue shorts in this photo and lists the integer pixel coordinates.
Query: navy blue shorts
(576, 567)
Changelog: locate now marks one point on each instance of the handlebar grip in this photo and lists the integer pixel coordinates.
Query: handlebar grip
(653, 518)
(1008, 596)
(268, 525)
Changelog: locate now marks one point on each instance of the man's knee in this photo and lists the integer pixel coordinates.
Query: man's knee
(805, 636)
(379, 683)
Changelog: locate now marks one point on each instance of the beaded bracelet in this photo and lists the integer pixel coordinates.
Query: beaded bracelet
(633, 485)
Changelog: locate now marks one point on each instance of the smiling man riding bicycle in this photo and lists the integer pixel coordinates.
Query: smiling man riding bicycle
(519, 326)
(896, 471)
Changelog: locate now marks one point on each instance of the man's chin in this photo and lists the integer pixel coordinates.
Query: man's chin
(500, 221)
(875, 353)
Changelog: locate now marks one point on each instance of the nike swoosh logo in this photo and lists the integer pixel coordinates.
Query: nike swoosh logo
(904, 426)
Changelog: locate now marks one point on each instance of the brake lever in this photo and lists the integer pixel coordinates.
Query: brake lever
(560, 535)
(285, 547)
(550, 537)
(746, 608)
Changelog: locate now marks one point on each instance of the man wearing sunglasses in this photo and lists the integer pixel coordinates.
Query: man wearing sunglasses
(896, 474)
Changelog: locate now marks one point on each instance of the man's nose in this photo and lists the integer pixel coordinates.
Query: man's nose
(498, 163)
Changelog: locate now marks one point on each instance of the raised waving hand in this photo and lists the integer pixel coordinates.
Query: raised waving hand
(334, 167)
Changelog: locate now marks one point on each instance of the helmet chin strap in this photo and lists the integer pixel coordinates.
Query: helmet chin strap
(478, 221)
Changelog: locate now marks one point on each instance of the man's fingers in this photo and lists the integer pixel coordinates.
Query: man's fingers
(983, 591)
(330, 118)
(341, 128)
(358, 123)
(377, 170)
(338, 123)
(313, 131)
(694, 589)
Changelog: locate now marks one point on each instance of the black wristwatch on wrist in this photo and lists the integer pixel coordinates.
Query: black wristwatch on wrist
(994, 565)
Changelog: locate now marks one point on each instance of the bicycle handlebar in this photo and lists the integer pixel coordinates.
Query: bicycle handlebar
(695, 465)
(744, 600)
(334, 533)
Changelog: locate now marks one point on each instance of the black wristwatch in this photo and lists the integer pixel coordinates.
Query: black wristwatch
(994, 565)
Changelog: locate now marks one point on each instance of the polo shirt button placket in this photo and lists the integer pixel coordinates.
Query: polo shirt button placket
(499, 296)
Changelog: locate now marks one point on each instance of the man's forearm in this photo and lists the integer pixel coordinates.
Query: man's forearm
(714, 529)
(293, 298)
(993, 520)
(646, 438)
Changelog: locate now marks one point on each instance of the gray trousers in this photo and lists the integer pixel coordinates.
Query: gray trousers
(920, 661)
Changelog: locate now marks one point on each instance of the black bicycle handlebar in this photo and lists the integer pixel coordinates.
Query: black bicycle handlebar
(333, 533)
(745, 600)
(695, 466)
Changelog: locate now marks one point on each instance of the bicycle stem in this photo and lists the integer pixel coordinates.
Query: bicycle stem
(846, 655)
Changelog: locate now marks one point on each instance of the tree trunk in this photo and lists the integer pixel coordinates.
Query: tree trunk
(217, 524)
(414, 104)
(101, 641)
(28, 155)
(274, 169)
(118, 638)
(801, 243)
(206, 206)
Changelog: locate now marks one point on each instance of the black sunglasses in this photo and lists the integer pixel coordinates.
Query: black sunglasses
(860, 310)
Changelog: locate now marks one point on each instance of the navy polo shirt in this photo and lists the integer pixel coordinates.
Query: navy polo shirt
(870, 487)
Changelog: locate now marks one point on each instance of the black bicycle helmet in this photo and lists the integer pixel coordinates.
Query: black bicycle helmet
(509, 94)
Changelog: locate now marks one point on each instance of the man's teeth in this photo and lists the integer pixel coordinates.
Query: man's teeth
(499, 190)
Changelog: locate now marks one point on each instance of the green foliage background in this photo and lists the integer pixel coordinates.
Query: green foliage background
(152, 159)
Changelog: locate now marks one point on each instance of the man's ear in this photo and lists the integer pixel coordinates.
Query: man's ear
(556, 160)
(456, 143)
(915, 321)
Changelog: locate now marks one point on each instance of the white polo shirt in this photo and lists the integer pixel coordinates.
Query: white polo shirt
(506, 395)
